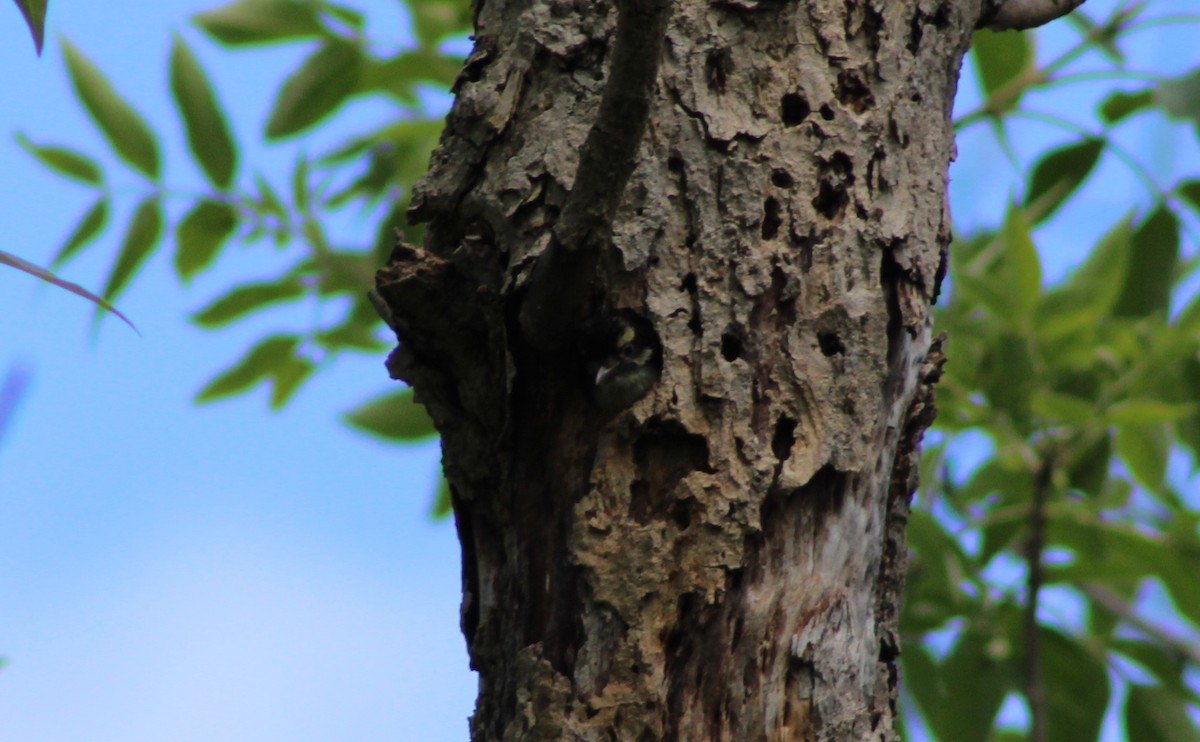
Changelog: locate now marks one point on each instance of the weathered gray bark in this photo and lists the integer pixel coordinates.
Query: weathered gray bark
(723, 561)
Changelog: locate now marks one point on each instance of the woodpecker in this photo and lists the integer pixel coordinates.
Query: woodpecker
(622, 359)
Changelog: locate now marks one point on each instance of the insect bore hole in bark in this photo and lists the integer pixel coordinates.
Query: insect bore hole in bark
(793, 109)
(853, 92)
(784, 437)
(771, 218)
(830, 343)
(831, 200)
(717, 68)
(731, 346)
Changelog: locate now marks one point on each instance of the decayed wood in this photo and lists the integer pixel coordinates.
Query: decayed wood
(724, 560)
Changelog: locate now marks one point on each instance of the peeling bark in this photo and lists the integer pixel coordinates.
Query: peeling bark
(724, 560)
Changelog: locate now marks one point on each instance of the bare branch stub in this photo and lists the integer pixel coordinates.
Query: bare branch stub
(1018, 15)
(563, 273)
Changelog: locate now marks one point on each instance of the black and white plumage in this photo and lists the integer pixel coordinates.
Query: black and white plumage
(623, 359)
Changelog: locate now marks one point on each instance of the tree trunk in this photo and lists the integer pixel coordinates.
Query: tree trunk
(724, 560)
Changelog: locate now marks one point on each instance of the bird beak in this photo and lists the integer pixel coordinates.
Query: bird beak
(604, 372)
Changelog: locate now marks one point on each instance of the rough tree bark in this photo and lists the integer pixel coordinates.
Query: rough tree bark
(724, 560)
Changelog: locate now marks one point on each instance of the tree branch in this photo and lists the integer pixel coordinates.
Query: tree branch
(1035, 691)
(1113, 603)
(563, 273)
(1018, 15)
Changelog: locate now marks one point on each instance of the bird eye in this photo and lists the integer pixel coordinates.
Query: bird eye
(628, 351)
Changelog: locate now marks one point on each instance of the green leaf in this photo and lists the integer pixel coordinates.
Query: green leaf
(1087, 468)
(68, 162)
(300, 183)
(1001, 533)
(1089, 293)
(200, 235)
(34, 12)
(124, 127)
(933, 593)
(443, 505)
(1000, 59)
(351, 17)
(203, 119)
(398, 75)
(1021, 260)
(1155, 246)
(256, 365)
(1189, 430)
(316, 89)
(1114, 492)
(1167, 665)
(1106, 551)
(342, 271)
(1180, 97)
(1147, 412)
(329, 263)
(379, 178)
(351, 334)
(257, 21)
(1154, 714)
(286, 379)
(992, 476)
(268, 200)
(1068, 409)
(1145, 448)
(7, 258)
(1008, 282)
(961, 696)
(433, 20)
(1189, 190)
(85, 231)
(394, 416)
(979, 291)
(1005, 277)
(1116, 555)
(1188, 321)
(1077, 689)
(247, 298)
(1120, 104)
(1058, 173)
(140, 238)
(1007, 376)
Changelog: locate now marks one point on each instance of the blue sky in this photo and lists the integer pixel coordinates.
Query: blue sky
(172, 572)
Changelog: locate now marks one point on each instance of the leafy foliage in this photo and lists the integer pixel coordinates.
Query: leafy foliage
(66, 162)
(371, 171)
(125, 129)
(1086, 393)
